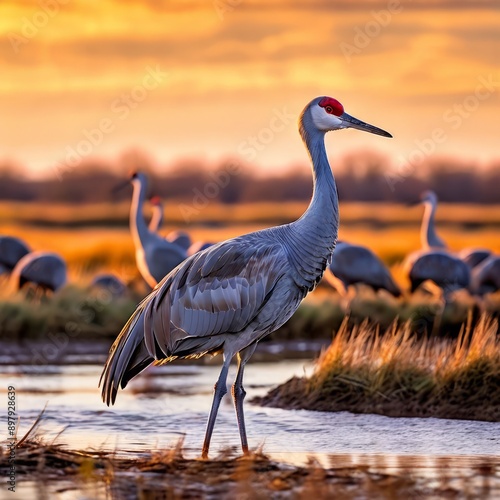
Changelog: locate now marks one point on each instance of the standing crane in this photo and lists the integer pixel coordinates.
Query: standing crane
(433, 262)
(109, 283)
(46, 271)
(474, 256)
(353, 264)
(12, 250)
(228, 297)
(155, 256)
(486, 276)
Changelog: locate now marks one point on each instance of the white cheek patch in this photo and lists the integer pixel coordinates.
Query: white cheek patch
(325, 121)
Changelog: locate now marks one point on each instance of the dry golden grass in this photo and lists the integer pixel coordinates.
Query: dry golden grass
(392, 233)
(398, 374)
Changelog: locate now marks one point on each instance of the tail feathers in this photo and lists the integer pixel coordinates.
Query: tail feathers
(128, 356)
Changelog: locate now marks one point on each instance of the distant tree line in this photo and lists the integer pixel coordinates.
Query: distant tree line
(360, 177)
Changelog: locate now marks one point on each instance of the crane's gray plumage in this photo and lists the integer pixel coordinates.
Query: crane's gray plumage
(12, 250)
(486, 276)
(443, 269)
(474, 256)
(110, 283)
(433, 262)
(229, 296)
(352, 264)
(155, 256)
(45, 270)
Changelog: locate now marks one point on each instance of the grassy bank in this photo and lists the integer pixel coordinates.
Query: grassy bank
(400, 375)
(87, 314)
(79, 313)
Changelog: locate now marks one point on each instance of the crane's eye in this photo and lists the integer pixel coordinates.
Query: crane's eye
(329, 109)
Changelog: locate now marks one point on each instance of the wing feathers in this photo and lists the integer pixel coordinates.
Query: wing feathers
(216, 291)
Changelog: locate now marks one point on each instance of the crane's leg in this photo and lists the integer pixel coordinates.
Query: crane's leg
(239, 394)
(219, 390)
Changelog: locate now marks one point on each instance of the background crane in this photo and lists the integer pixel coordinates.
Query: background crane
(155, 256)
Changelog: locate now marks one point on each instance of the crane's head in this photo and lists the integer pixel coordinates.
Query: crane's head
(428, 197)
(155, 201)
(133, 178)
(326, 114)
(135, 175)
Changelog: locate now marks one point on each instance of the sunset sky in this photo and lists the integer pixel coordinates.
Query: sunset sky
(201, 78)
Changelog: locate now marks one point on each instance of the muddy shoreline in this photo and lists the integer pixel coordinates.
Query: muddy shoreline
(167, 474)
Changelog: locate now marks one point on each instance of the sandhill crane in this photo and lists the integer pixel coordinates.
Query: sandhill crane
(353, 264)
(229, 296)
(440, 267)
(474, 256)
(433, 262)
(428, 235)
(45, 271)
(12, 250)
(157, 217)
(486, 276)
(109, 283)
(155, 256)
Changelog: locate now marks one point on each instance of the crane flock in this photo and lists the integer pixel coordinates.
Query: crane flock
(210, 298)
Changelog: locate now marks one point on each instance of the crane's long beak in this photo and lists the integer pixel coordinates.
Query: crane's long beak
(351, 122)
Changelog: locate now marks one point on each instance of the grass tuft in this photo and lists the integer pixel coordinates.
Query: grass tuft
(400, 374)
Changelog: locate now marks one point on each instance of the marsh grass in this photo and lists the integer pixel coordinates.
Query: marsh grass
(78, 312)
(400, 374)
(87, 314)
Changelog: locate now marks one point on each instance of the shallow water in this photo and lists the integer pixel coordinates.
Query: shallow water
(170, 402)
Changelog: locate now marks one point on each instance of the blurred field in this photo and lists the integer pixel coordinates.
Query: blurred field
(96, 237)
(184, 213)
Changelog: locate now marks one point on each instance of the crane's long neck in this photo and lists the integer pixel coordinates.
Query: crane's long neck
(138, 226)
(314, 235)
(157, 219)
(428, 236)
